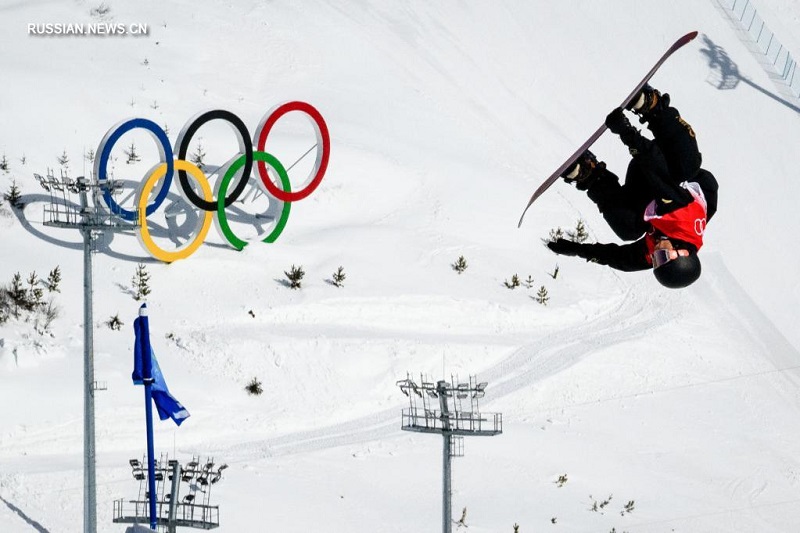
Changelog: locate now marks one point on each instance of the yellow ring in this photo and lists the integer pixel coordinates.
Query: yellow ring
(188, 248)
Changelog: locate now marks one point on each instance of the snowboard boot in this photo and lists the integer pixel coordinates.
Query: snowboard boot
(584, 171)
(649, 103)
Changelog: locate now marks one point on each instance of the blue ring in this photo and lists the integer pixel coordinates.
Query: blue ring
(105, 152)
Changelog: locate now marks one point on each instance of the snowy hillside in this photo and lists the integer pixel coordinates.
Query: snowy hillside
(444, 117)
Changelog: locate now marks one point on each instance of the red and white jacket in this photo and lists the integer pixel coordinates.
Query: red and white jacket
(687, 223)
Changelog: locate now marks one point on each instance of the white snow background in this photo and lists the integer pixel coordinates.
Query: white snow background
(444, 117)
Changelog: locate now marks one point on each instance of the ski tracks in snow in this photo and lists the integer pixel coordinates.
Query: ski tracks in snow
(548, 353)
(636, 313)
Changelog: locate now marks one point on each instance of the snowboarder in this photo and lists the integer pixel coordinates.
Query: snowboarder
(664, 204)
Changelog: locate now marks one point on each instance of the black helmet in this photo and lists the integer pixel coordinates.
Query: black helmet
(680, 272)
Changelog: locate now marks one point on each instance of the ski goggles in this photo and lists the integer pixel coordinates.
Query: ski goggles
(662, 257)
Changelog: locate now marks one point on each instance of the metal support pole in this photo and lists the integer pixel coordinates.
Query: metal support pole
(173, 496)
(89, 481)
(447, 516)
(151, 460)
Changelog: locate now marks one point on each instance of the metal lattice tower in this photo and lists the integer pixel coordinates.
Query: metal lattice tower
(91, 220)
(458, 415)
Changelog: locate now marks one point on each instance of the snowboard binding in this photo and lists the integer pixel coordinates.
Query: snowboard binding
(649, 103)
(582, 171)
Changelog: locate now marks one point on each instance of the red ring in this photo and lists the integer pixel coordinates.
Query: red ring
(322, 137)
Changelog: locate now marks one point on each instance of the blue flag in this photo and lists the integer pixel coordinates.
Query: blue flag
(166, 404)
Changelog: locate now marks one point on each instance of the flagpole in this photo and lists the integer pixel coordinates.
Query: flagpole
(147, 379)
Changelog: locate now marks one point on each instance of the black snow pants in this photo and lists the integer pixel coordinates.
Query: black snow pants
(655, 172)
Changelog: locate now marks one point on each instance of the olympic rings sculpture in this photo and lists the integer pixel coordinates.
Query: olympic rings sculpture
(225, 193)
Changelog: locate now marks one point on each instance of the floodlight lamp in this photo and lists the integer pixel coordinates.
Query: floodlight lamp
(42, 182)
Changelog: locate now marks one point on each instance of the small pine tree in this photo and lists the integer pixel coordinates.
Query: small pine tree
(542, 296)
(44, 319)
(295, 276)
(554, 274)
(463, 520)
(528, 282)
(140, 282)
(18, 295)
(198, 157)
(460, 265)
(628, 508)
(63, 159)
(514, 283)
(580, 234)
(516, 527)
(53, 279)
(254, 388)
(89, 156)
(4, 163)
(133, 157)
(14, 196)
(35, 293)
(23, 159)
(338, 277)
(556, 234)
(100, 11)
(115, 323)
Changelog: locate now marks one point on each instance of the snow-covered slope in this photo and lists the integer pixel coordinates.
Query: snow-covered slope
(444, 117)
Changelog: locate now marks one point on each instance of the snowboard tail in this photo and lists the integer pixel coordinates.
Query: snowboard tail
(596, 135)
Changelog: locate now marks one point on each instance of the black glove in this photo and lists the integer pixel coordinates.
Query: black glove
(564, 247)
(617, 122)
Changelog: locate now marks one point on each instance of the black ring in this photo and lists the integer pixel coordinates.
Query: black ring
(183, 145)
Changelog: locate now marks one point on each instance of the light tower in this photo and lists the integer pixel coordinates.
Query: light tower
(458, 415)
(91, 220)
(193, 510)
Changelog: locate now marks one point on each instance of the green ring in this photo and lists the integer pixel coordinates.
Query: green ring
(271, 160)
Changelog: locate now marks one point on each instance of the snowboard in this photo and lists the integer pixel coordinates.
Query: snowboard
(596, 135)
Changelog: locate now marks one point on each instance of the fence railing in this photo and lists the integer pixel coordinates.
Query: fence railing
(777, 59)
